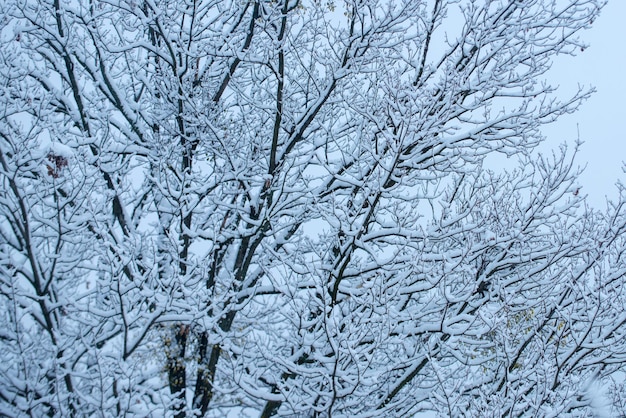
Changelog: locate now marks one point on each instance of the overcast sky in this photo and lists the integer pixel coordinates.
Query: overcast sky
(601, 119)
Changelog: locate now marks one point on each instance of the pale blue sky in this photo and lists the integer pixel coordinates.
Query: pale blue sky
(602, 118)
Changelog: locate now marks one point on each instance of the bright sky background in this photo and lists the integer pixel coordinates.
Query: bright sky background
(601, 119)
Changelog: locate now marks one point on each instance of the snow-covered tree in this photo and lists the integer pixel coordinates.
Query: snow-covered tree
(280, 207)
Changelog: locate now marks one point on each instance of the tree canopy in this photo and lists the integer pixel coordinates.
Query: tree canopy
(281, 207)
